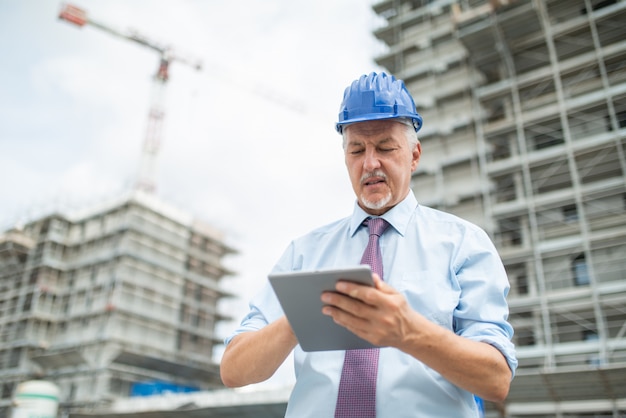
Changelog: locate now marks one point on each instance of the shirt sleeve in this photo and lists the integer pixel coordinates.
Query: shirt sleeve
(264, 308)
(482, 312)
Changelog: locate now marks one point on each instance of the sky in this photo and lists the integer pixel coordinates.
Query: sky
(248, 143)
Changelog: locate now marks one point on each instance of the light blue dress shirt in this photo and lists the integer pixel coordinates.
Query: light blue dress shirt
(449, 271)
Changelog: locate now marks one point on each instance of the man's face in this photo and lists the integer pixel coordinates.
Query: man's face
(380, 162)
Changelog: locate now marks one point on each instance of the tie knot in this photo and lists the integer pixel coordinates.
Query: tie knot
(376, 226)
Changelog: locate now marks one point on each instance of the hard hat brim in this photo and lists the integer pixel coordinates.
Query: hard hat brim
(417, 122)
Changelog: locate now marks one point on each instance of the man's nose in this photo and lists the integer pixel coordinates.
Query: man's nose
(371, 160)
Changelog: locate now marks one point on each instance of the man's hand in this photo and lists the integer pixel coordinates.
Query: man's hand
(378, 314)
(382, 316)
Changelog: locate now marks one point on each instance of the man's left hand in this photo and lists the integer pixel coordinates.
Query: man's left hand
(378, 314)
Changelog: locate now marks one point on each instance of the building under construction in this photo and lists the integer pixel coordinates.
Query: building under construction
(118, 301)
(524, 106)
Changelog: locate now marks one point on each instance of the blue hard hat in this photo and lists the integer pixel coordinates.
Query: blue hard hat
(376, 97)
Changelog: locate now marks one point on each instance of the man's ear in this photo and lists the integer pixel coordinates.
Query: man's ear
(417, 153)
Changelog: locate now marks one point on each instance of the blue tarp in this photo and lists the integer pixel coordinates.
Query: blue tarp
(159, 388)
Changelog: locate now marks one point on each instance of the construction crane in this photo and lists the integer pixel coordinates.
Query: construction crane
(146, 180)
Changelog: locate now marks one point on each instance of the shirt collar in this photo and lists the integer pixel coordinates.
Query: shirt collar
(398, 216)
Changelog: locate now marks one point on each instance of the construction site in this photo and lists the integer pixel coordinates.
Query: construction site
(524, 107)
(524, 104)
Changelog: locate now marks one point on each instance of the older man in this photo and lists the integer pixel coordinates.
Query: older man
(439, 310)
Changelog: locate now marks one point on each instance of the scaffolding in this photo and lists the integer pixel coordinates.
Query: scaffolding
(109, 301)
(524, 106)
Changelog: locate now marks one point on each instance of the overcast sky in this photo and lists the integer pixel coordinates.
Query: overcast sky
(248, 145)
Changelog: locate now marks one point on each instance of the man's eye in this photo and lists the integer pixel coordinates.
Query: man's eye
(356, 151)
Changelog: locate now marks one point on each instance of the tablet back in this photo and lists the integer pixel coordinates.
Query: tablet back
(299, 295)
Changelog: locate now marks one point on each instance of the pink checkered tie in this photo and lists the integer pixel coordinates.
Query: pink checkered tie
(357, 387)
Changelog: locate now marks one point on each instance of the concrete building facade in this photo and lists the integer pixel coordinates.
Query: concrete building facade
(117, 301)
(524, 106)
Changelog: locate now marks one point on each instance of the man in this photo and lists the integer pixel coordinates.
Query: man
(439, 312)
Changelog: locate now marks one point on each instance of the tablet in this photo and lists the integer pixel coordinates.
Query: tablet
(299, 294)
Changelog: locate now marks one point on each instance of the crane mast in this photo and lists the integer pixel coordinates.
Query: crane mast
(146, 180)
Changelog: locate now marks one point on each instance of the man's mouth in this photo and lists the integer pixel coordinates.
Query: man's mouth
(373, 181)
(373, 178)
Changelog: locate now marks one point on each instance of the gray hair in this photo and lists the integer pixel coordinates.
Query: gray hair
(411, 134)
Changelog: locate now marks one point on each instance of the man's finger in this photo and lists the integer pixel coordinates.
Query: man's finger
(381, 285)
